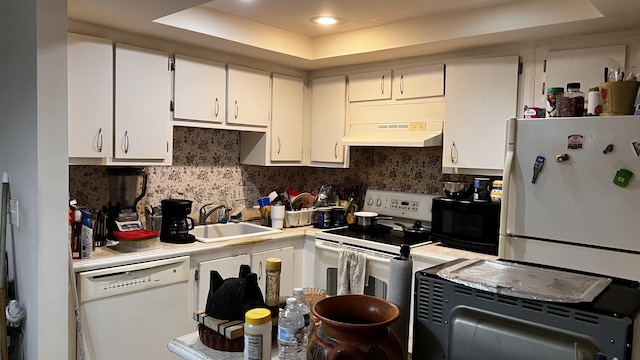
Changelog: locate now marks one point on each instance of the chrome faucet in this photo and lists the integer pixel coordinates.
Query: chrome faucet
(204, 214)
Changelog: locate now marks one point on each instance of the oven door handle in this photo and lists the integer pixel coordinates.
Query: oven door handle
(369, 256)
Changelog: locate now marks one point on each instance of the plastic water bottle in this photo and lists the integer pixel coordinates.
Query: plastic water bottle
(298, 293)
(291, 332)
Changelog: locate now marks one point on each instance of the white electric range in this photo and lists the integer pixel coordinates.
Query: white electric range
(379, 244)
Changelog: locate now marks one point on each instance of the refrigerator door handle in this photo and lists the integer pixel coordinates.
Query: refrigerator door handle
(506, 175)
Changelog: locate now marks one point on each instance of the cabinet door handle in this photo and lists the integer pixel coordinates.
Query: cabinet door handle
(279, 145)
(454, 153)
(235, 116)
(335, 150)
(402, 84)
(260, 270)
(126, 142)
(382, 85)
(99, 140)
(217, 108)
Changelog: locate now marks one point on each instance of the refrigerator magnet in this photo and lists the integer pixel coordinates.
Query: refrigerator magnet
(622, 177)
(575, 142)
(636, 147)
(608, 149)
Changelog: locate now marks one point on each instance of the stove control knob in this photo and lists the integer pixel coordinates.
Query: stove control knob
(370, 201)
(378, 202)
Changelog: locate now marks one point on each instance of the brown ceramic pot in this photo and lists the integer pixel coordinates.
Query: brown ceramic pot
(354, 327)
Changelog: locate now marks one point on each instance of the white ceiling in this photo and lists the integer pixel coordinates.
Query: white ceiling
(372, 30)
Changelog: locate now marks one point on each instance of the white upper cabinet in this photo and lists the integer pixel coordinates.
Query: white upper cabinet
(90, 96)
(328, 113)
(476, 113)
(281, 144)
(418, 82)
(199, 90)
(561, 66)
(286, 118)
(142, 104)
(248, 96)
(368, 86)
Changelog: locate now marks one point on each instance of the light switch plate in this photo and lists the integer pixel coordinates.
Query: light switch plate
(13, 212)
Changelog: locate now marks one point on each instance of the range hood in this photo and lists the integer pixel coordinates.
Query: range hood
(398, 124)
(411, 134)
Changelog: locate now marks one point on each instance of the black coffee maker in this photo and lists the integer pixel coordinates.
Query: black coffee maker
(176, 222)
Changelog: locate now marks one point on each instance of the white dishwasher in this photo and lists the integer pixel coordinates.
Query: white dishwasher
(133, 311)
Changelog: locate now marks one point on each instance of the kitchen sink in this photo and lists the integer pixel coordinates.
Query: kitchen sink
(229, 231)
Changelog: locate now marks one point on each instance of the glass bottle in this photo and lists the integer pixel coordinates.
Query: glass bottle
(554, 100)
(272, 288)
(572, 101)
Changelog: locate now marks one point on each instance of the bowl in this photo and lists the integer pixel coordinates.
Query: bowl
(457, 189)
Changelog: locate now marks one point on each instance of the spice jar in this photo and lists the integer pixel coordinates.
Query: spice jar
(272, 288)
(496, 191)
(572, 101)
(554, 100)
(257, 334)
(594, 103)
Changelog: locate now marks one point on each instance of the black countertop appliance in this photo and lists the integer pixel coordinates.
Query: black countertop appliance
(176, 222)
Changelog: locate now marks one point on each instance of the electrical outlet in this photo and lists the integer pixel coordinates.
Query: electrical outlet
(13, 212)
(241, 192)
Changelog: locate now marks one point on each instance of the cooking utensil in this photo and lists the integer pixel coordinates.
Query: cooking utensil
(415, 231)
(457, 189)
(368, 219)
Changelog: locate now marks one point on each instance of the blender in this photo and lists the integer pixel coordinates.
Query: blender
(124, 183)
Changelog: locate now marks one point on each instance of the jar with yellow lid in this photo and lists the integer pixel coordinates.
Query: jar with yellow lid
(272, 287)
(496, 191)
(257, 334)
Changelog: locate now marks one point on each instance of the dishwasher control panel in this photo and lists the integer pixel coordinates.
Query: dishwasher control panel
(124, 279)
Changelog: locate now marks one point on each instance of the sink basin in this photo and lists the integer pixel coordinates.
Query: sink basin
(229, 231)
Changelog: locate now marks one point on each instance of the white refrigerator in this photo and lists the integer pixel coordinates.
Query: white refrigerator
(582, 209)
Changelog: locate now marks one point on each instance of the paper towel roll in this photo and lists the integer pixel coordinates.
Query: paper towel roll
(399, 293)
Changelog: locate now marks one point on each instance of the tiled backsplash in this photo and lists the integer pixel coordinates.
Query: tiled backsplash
(206, 167)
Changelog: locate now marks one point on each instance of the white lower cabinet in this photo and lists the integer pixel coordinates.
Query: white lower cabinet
(259, 260)
(229, 267)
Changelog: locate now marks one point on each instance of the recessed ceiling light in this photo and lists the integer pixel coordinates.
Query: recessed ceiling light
(324, 20)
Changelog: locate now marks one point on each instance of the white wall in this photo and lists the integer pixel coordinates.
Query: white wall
(33, 138)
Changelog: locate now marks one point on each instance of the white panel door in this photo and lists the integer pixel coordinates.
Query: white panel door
(259, 260)
(248, 96)
(476, 112)
(227, 267)
(420, 82)
(328, 113)
(142, 99)
(286, 118)
(199, 89)
(562, 66)
(374, 85)
(90, 87)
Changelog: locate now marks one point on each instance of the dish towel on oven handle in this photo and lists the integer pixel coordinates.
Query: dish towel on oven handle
(352, 266)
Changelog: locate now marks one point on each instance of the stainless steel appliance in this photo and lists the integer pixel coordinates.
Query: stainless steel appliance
(466, 224)
(453, 321)
(379, 243)
(133, 311)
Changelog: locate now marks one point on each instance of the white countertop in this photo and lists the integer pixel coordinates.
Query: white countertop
(108, 256)
(190, 347)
